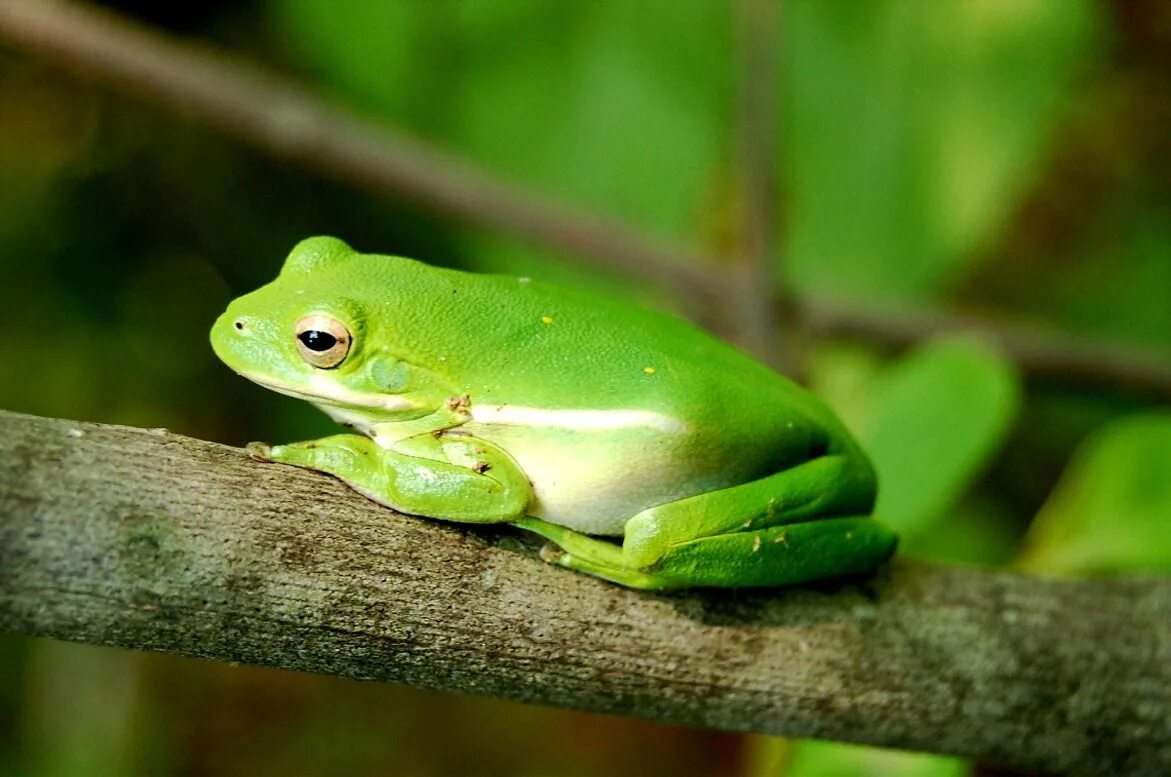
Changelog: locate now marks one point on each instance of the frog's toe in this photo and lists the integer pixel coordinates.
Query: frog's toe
(259, 451)
(551, 554)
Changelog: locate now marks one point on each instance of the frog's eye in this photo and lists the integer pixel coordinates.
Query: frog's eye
(322, 341)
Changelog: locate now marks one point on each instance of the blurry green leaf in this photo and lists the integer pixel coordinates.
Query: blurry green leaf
(618, 106)
(843, 374)
(626, 117)
(937, 417)
(375, 53)
(912, 128)
(817, 759)
(1112, 508)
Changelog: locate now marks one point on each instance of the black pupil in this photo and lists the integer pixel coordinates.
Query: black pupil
(316, 340)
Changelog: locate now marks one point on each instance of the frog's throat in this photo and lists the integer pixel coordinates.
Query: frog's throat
(320, 390)
(568, 418)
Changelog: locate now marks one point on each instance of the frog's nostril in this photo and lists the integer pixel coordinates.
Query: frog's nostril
(240, 325)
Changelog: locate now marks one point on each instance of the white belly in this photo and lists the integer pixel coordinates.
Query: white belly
(591, 481)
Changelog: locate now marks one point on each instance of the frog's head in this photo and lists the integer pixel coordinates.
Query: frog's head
(310, 334)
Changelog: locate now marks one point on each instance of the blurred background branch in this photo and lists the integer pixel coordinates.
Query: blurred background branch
(763, 309)
(276, 116)
(190, 547)
(1045, 355)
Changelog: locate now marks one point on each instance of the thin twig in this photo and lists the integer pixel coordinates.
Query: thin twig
(189, 547)
(1047, 355)
(761, 310)
(277, 117)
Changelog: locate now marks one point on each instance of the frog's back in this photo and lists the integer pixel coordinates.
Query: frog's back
(515, 341)
(557, 345)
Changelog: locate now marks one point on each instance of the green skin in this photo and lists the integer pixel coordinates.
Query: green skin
(494, 399)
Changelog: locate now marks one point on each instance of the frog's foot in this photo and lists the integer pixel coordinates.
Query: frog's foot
(587, 554)
(258, 451)
(776, 556)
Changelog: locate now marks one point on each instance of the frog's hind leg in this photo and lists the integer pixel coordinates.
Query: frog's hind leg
(801, 524)
(591, 555)
(780, 555)
(776, 556)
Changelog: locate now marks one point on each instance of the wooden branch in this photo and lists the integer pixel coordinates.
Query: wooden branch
(145, 539)
(278, 117)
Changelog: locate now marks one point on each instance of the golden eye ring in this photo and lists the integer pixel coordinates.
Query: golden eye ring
(322, 341)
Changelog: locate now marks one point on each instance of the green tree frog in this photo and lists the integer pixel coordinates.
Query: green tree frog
(645, 451)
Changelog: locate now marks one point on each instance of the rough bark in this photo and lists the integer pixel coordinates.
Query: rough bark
(149, 540)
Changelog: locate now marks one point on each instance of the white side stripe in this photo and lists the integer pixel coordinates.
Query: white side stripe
(330, 390)
(516, 415)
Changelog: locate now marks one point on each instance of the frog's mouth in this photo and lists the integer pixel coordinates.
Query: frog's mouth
(323, 391)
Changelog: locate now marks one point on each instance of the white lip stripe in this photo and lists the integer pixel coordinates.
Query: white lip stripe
(328, 389)
(516, 415)
(322, 389)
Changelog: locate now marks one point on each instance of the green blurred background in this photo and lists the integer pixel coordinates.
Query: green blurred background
(1005, 159)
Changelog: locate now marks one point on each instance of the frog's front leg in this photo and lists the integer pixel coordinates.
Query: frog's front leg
(791, 527)
(450, 477)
